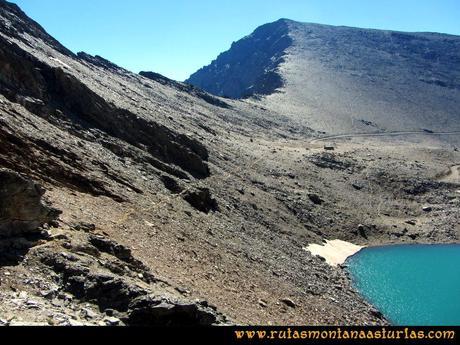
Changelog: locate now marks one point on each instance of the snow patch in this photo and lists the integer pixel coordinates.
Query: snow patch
(335, 252)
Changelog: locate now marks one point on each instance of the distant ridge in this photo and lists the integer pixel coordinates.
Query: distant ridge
(343, 79)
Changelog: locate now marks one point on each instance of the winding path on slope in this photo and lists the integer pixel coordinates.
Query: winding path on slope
(381, 134)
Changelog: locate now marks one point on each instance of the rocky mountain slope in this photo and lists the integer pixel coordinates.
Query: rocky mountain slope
(134, 199)
(343, 80)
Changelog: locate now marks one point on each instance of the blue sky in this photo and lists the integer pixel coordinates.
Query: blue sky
(176, 37)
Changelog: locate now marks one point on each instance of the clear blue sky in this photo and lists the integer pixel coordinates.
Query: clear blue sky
(176, 37)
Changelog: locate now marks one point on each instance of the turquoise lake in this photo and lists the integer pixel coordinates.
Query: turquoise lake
(413, 285)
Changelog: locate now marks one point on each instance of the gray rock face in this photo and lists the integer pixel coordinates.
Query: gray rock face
(65, 101)
(148, 310)
(250, 66)
(21, 209)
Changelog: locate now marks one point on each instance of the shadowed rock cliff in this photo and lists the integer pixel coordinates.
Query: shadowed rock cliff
(250, 66)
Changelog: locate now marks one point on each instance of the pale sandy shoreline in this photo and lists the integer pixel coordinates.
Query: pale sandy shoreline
(335, 252)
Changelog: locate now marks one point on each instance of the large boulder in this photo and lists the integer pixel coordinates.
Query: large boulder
(21, 209)
(201, 199)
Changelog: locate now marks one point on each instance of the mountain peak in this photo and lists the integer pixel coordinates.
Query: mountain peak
(283, 21)
(338, 78)
(15, 23)
(250, 66)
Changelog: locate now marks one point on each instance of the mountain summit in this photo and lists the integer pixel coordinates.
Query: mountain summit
(250, 66)
(343, 79)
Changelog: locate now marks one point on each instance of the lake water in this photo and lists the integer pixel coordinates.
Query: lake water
(414, 285)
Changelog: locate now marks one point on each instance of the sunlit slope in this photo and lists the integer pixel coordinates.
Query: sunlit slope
(342, 80)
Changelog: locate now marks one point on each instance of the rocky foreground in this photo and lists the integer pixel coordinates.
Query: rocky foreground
(132, 199)
(111, 286)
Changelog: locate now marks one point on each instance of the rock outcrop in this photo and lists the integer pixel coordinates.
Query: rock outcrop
(151, 310)
(91, 267)
(130, 293)
(66, 102)
(22, 211)
(250, 66)
(201, 199)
